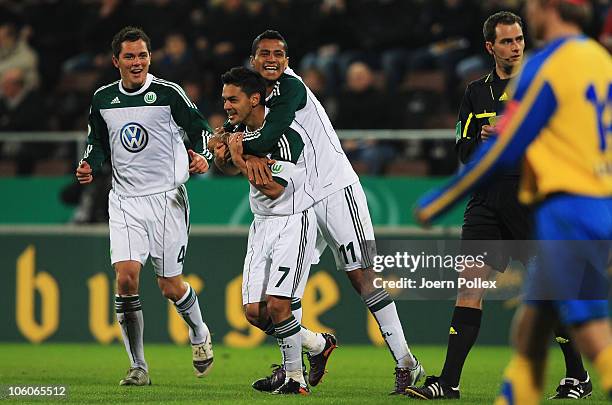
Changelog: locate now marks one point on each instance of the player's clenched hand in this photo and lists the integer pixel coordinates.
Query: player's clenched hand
(198, 163)
(258, 170)
(84, 173)
(487, 132)
(235, 144)
(213, 142)
(219, 131)
(222, 153)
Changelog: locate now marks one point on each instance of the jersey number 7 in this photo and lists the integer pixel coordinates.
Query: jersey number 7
(285, 271)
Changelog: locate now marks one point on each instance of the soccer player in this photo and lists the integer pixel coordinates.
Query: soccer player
(492, 213)
(283, 234)
(318, 346)
(137, 122)
(559, 121)
(340, 204)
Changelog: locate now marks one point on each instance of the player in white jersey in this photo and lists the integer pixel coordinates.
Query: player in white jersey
(138, 123)
(283, 233)
(341, 207)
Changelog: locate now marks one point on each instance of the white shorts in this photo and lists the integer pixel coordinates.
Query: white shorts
(278, 258)
(156, 225)
(344, 224)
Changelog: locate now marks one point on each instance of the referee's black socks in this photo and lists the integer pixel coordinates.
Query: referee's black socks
(573, 361)
(464, 329)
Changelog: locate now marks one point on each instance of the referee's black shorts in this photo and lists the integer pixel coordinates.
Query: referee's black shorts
(494, 214)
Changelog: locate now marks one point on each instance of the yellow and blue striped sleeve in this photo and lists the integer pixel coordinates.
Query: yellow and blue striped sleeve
(528, 112)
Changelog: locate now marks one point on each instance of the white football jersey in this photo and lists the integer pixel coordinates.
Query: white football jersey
(332, 168)
(291, 106)
(290, 170)
(142, 134)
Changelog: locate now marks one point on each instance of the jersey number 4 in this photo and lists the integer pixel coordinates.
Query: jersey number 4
(181, 255)
(600, 105)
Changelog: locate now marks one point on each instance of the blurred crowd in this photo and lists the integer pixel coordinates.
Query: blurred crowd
(375, 64)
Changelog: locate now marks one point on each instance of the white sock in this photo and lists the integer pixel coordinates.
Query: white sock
(312, 342)
(383, 308)
(297, 376)
(188, 308)
(296, 309)
(129, 316)
(290, 342)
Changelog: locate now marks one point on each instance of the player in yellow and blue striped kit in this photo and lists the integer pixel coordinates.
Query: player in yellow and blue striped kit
(559, 122)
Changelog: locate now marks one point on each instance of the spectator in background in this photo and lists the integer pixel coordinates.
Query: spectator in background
(175, 15)
(16, 53)
(359, 108)
(333, 35)
(20, 105)
(297, 20)
(175, 61)
(99, 22)
(450, 26)
(378, 26)
(193, 89)
(21, 109)
(316, 81)
(359, 99)
(216, 120)
(228, 45)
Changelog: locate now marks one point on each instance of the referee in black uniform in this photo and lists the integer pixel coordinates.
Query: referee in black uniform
(493, 214)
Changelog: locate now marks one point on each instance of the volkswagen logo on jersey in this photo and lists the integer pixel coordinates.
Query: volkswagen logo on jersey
(134, 137)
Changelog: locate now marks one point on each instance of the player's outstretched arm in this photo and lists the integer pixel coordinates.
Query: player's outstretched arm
(84, 173)
(282, 110)
(524, 118)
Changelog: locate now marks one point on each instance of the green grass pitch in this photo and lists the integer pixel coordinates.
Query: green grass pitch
(357, 374)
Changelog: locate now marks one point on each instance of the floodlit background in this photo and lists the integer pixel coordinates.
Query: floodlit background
(390, 74)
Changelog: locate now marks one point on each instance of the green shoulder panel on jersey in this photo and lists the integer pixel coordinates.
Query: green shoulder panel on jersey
(288, 96)
(289, 147)
(280, 181)
(98, 146)
(185, 114)
(103, 96)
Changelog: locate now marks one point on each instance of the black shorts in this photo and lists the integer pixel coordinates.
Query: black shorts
(495, 214)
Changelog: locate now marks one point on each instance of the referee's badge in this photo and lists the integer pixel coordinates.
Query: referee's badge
(457, 131)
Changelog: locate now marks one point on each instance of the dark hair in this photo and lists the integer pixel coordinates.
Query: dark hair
(579, 14)
(11, 28)
(250, 82)
(502, 17)
(268, 34)
(129, 34)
